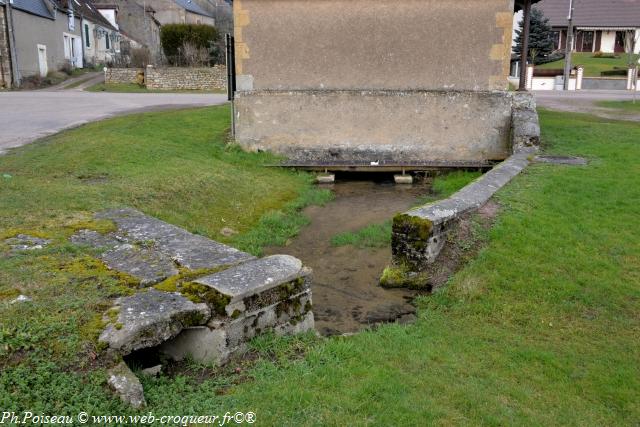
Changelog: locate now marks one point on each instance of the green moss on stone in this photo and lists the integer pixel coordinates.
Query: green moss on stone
(93, 328)
(102, 226)
(415, 228)
(198, 293)
(402, 277)
(292, 288)
(193, 319)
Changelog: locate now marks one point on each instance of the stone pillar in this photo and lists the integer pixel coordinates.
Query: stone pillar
(579, 76)
(529, 83)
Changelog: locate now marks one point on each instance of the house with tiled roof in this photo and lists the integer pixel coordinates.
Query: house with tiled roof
(45, 36)
(600, 25)
(136, 22)
(100, 38)
(182, 12)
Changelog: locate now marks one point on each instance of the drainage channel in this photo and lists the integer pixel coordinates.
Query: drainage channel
(346, 294)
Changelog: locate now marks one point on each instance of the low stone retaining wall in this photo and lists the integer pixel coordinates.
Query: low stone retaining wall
(198, 298)
(209, 78)
(420, 234)
(122, 75)
(172, 78)
(603, 83)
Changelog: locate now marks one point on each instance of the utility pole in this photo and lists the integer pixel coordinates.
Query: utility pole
(524, 52)
(15, 77)
(569, 47)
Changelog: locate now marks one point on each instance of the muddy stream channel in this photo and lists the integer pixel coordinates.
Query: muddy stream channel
(346, 294)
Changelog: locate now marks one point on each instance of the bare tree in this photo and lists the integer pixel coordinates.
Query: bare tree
(194, 56)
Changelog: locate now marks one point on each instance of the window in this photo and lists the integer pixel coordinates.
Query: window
(587, 41)
(108, 41)
(87, 42)
(555, 36)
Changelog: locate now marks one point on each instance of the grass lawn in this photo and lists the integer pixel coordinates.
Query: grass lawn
(592, 66)
(625, 106)
(135, 88)
(541, 329)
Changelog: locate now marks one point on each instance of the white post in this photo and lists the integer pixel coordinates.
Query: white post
(530, 77)
(630, 78)
(579, 76)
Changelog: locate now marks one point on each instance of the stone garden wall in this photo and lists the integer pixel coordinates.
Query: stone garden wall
(174, 78)
(209, 78)
(121, 75)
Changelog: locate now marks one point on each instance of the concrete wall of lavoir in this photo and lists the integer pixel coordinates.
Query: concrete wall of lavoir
(373, 126)
(296, 61)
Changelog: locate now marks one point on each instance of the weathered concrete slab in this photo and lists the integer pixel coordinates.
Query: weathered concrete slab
(24, 242)
(126, 385)
(221, 339)
(150, 318)
(238, 303)
(254, 277)
(146, 265)
(420, 234)
(187, 249)
(94, 239)
(562, 160)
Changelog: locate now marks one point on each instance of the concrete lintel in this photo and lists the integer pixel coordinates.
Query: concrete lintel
(254, 277)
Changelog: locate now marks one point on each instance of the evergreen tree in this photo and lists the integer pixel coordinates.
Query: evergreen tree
(540, 37)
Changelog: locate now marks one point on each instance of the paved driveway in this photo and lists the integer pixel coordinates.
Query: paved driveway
(585, 101)
(28, 115)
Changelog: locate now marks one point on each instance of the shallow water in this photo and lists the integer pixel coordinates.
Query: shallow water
(346, 294)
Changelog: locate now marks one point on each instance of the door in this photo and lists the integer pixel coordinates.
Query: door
(620, 36)
(77, 52)
(42, 60)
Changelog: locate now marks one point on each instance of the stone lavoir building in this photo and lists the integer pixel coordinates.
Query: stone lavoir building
(329, 82)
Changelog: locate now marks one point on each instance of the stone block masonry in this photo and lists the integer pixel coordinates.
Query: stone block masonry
(209, 78)
(121, 75)
(197, 298)
(204, 78)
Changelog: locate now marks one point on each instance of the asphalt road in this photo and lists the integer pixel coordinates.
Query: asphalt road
(585, 101)
(28, 115)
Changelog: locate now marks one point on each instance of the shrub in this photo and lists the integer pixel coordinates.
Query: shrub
(140, 57)
(174, 36)
(601, 54)
(194, 56)
(553, 57)
(614, 72)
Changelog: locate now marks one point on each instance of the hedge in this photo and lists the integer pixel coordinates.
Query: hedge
(173, 36)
